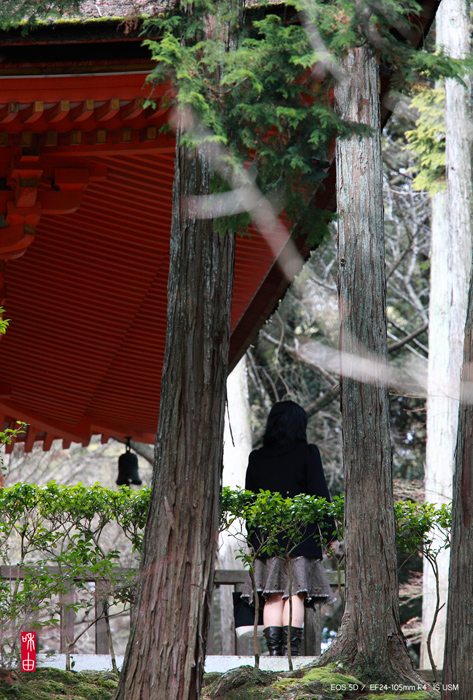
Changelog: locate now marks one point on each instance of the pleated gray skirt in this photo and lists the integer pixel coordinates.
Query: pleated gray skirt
(307, 573)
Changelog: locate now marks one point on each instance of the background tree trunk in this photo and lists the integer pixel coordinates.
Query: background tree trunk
(442, 415)
(237, 447)
(458, 662)
(165, 654)
(450, 269)
(370, 641)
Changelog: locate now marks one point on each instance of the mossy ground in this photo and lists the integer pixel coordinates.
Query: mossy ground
(329, 683)
(52, 684)
(245, 683)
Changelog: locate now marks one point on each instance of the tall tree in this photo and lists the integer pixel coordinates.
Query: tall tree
(370, 638)
(450, 264)
(165, 652)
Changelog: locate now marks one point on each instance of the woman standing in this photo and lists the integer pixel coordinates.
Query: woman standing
(288, 465)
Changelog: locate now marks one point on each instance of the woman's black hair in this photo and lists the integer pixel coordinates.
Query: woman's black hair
(287, 422)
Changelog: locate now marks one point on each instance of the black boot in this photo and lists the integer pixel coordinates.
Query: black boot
(273, 640)
(296, 639)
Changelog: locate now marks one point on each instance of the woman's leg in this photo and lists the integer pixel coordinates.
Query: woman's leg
(297, 620)
(272, 619)
(297, 611)
(273, 610)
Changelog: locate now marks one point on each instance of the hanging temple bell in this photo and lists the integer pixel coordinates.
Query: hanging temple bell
(128, 468)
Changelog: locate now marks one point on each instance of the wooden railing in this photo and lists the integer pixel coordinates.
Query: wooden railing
(223, 577)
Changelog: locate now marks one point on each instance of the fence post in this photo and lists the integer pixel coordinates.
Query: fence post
(312, 632)
(210, 650)
(101, 636)
(67, 619)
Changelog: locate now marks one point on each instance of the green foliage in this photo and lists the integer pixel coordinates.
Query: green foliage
(56, 535)
(4, 322)
(280, 524)
(271, 517)
(420, 527)
(249, 89)
(427, 140)
(10, 434)
(246, 76)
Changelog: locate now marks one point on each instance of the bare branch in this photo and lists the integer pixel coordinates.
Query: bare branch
(408, 338)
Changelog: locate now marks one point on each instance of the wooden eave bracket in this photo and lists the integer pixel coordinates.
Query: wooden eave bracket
(22, 204)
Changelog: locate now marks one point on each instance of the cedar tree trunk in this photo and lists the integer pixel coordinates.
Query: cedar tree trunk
(370, 641)
(166, 649)
(458, 660)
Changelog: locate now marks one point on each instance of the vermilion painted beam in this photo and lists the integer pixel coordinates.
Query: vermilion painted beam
(33, 112)
(9, 112)
(86, 123)
(132, 109)
(83, 111)
(108, 110)
(162, 106)
(57, 112)
(15, 240)
(48, 441)
(59, 429)
(120, 432)
(76, 88)
(164, 144)
(30, 437)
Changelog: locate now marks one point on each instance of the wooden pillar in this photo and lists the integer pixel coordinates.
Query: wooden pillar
(210, 651)
(67, 620)
(101, 636)
(311, 643)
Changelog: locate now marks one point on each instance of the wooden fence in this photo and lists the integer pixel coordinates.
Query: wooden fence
(223, 577)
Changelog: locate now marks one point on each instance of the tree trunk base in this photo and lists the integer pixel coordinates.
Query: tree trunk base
(392, 667)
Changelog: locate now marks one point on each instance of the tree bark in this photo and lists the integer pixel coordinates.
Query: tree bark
(370, 641)
(458, 661)
(450, 265)
(166, 649)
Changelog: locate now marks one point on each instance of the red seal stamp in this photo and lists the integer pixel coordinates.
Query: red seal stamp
(28, 651)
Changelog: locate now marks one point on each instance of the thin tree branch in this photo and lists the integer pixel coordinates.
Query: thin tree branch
(415, 341)
(408, 338)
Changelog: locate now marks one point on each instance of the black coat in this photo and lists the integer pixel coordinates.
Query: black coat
(291, 470)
